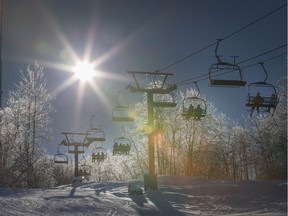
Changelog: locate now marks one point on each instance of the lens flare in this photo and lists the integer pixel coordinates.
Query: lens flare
(84, 71)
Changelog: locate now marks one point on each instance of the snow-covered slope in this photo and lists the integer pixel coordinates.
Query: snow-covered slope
(175, 196)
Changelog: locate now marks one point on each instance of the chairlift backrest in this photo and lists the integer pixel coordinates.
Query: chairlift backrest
(266, 90)
(123, 114)
(121, 146)
(194, 107)
(60, 158)
(224, 68)
(95, 135)
(122, 140)
(99, 154)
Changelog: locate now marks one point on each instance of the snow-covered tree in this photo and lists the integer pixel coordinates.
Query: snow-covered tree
(215, 147)
(25, 127)
(268, 135)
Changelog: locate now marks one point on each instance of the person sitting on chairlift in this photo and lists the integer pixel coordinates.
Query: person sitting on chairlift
(258, 101)
(272, 102)
(197, 112)
(102, 156)
(190, 111)
(93, 157)
(115, 148)
(98, 157)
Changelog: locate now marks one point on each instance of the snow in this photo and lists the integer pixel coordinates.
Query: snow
(175, 196)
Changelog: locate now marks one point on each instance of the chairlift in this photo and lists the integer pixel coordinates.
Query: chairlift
(194, 106)
(224, 68)
(60, 158)
(99, 154)
(95, 135)
(122, 146)
(123, 112)
(262, 95)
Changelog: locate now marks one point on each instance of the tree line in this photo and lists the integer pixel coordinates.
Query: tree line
(215, 147)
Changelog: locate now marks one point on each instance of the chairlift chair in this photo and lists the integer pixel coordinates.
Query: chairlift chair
(225, 68)
(99, 154)
(123, 113)
(194, 107)
(60, 158)
(94, 135)
(268, 93)
(121, 146)
(270, 97)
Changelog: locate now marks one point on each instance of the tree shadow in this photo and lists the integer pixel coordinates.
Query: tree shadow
(160, 201)
(138, 199)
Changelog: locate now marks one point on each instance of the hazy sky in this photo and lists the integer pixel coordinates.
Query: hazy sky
(142, 35)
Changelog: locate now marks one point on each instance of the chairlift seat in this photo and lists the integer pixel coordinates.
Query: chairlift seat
(122, 146)
(122, 119)
(194, 102)
(237, 83)
(266, 102)
(61, 162)
(123, 114)
(94, 139)
(95, 135)
(61, 158)
(267, 90)
(186, 114)
(99, 154)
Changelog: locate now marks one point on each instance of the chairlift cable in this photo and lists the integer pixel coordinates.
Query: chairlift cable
(251, 65)
(231, 34)
(191, 80)
(253, 22)
(208, 46)
(284, 45)
(274, 57)
(186, 57)
(88, 121)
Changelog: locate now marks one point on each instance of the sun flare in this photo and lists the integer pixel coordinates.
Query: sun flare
(84, 71)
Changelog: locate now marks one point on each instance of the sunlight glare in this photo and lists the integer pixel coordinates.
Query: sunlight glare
(84, 71)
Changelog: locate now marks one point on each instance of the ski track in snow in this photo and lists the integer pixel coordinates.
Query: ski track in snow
(175, 196)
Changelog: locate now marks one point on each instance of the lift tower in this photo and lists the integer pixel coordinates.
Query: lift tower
(156, 86)
(78, 147)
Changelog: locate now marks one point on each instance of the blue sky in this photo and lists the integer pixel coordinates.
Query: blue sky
(138, 35)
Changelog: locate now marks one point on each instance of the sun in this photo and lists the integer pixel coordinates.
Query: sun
(84, 71)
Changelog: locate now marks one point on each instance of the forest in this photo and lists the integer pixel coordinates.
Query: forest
(214, 148)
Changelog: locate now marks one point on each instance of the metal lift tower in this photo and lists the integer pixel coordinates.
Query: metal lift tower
(158, 86)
